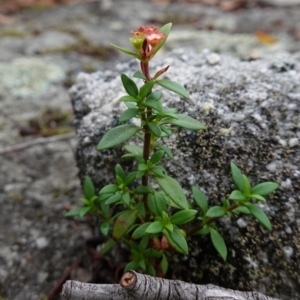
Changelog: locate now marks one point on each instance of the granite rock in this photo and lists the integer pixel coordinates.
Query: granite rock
(251, 110)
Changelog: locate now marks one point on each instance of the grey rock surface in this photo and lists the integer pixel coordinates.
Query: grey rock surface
(252, 114)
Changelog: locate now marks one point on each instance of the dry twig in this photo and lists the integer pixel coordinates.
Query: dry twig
(38, 141)
(139, 286)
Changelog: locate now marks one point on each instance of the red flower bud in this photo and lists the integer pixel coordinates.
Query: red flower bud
(151, 33)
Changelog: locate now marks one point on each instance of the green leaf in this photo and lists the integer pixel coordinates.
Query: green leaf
(265, 188)
(107, 246)
(141, 209)
(164, 265)
(142, 264)
(166, 30)
(126, 197)
(156, 96)
(142, 167)
(129, 178)
(117, 135)
(104, 228)
(200, 199)
(237, 177)
(103, 197)
(258, 197)
(141, 189)
(133, 265)
(226, 203)
(119, 171)
(129, 85)
(183, 216)
(73, 212)
(136, 150)
(128, 114)
(165, 218)
(153, 104)
(140, 231)
(119, 180)
(174, 87)
(177, 240)
(144, 243)
(157, 204)
(126, 51)
(110, 188)
(113, 199)
(128, 98)
(166, 131)
(187, 122)
(218, 243)
(157, 171)
(203, 231)
(146, 89)
(155, 227)
(247, 186)
(150, 270)
(155, 129)
(85, 201)
(259, 215)
(139, 74)
(237, 195)
(173, 190)
(166, 149)
(105, 209)
(166, 117)
(157, 156)
(169, 227)
(151, 253)
(84, 210)
(124, 221)
(215, 212)
(139, 174)
(88, 188)
(242, 209)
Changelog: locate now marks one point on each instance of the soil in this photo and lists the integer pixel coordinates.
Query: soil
(42, 52)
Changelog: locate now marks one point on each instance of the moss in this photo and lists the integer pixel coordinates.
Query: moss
(50, 122)
(11, 32)
(16, 197)
(87, 67)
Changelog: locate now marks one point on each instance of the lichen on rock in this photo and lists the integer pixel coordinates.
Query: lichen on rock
(25, 77)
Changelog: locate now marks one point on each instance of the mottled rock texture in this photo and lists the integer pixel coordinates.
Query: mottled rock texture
(251, 110)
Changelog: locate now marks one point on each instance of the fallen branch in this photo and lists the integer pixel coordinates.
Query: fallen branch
(135, 286)
(38, 141)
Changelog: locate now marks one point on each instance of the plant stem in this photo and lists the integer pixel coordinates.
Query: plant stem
(147, 136)
(209, 221)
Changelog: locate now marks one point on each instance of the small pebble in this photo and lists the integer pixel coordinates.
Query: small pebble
(241, 223)
(288, 230)
(286, 184)
(42, 277)
(293, 142)
(213, 58)
(288, 251)
(42, 243)
(272, 166)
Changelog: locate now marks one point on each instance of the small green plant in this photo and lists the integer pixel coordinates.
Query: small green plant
(152, 205)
